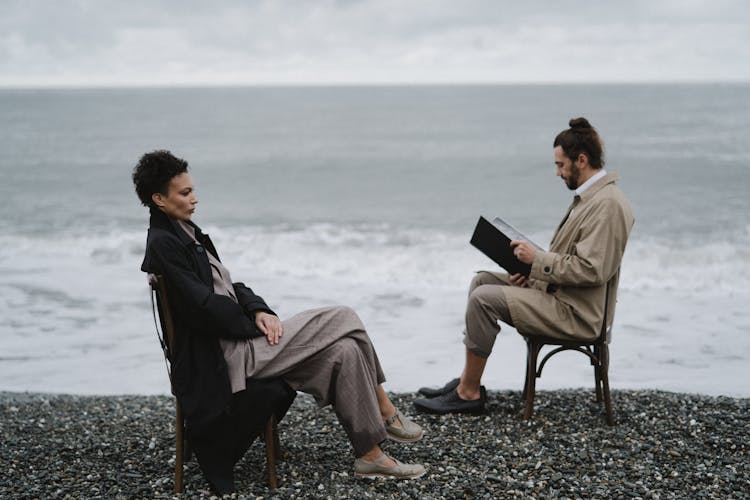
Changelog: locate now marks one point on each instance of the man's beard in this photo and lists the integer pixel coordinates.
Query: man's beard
(572, 180)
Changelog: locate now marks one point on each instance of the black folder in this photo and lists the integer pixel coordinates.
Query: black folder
(493, 239)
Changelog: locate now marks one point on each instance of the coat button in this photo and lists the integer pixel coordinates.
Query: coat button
(199, 248)
(547, 269)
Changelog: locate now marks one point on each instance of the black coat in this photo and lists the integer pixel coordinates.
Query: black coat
(201, 317)
(221, 426)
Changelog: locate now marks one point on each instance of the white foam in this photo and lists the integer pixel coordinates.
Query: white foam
(76, 314)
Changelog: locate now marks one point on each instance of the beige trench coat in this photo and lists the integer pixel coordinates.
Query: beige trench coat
(568, 283)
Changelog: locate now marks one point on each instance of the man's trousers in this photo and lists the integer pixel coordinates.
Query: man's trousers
(486, 305)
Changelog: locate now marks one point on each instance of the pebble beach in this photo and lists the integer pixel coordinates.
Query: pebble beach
(665, 445)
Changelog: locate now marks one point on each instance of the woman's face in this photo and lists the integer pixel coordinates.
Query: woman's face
(180, 200)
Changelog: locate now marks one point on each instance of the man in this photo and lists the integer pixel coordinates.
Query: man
(564, 295)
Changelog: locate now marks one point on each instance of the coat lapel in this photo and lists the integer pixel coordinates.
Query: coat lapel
(580, 200)
(160, 220)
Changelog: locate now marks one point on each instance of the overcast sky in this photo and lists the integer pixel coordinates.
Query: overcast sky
(190, 42)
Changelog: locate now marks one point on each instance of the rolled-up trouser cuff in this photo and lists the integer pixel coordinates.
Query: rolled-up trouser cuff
(474, 348)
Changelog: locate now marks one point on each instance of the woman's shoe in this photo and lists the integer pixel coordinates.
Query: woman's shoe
(407, 432)
(366, 469)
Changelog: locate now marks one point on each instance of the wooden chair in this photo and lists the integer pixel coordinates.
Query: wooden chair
(596, 350)
(165, 324)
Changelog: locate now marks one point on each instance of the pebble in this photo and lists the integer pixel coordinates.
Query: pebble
(61, 446)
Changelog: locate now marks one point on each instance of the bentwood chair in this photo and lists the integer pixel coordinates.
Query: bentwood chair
(165, 324)
(596, 350)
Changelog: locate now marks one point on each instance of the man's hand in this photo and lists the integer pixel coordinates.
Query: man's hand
(519, 279)
(270, 325)
(524, 251)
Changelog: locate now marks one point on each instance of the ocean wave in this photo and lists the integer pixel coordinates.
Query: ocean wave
(707, 268)
(364, 253)
(85, 296)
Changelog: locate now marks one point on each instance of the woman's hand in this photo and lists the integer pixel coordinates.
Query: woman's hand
(270, 325)
(519, 279)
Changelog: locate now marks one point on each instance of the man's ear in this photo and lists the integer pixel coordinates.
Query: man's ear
(582, 160)
(158, 199)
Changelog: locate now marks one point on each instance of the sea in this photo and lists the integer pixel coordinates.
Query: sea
(367, 196)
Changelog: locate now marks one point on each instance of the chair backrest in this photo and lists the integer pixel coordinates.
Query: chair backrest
(610, 297)
(160, 303)
(165, 325)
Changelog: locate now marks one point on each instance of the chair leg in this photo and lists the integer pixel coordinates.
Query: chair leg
(271, 452)
(179, 425)
(276, 440)
(531, 382)
(598, 373)
(526, 380)
(605, 384)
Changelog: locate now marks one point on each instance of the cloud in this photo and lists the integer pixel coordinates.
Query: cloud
(107, 42)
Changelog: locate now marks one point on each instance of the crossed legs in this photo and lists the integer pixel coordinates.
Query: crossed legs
(327, 353)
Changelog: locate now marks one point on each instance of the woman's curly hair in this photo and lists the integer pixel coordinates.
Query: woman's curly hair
(153, 173)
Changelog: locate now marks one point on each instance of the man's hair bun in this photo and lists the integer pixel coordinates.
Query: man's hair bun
(579, 123)
(581, 137)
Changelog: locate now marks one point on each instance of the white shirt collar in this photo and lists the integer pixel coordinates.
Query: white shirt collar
(583, 187)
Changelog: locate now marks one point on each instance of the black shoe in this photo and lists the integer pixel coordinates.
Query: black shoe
(433, 393)
(451, 402)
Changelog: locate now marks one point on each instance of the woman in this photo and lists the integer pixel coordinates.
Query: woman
(231, 335)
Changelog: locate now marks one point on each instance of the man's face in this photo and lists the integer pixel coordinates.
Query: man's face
(566, 169)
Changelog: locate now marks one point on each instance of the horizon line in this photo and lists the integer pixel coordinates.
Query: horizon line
(210, 85)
